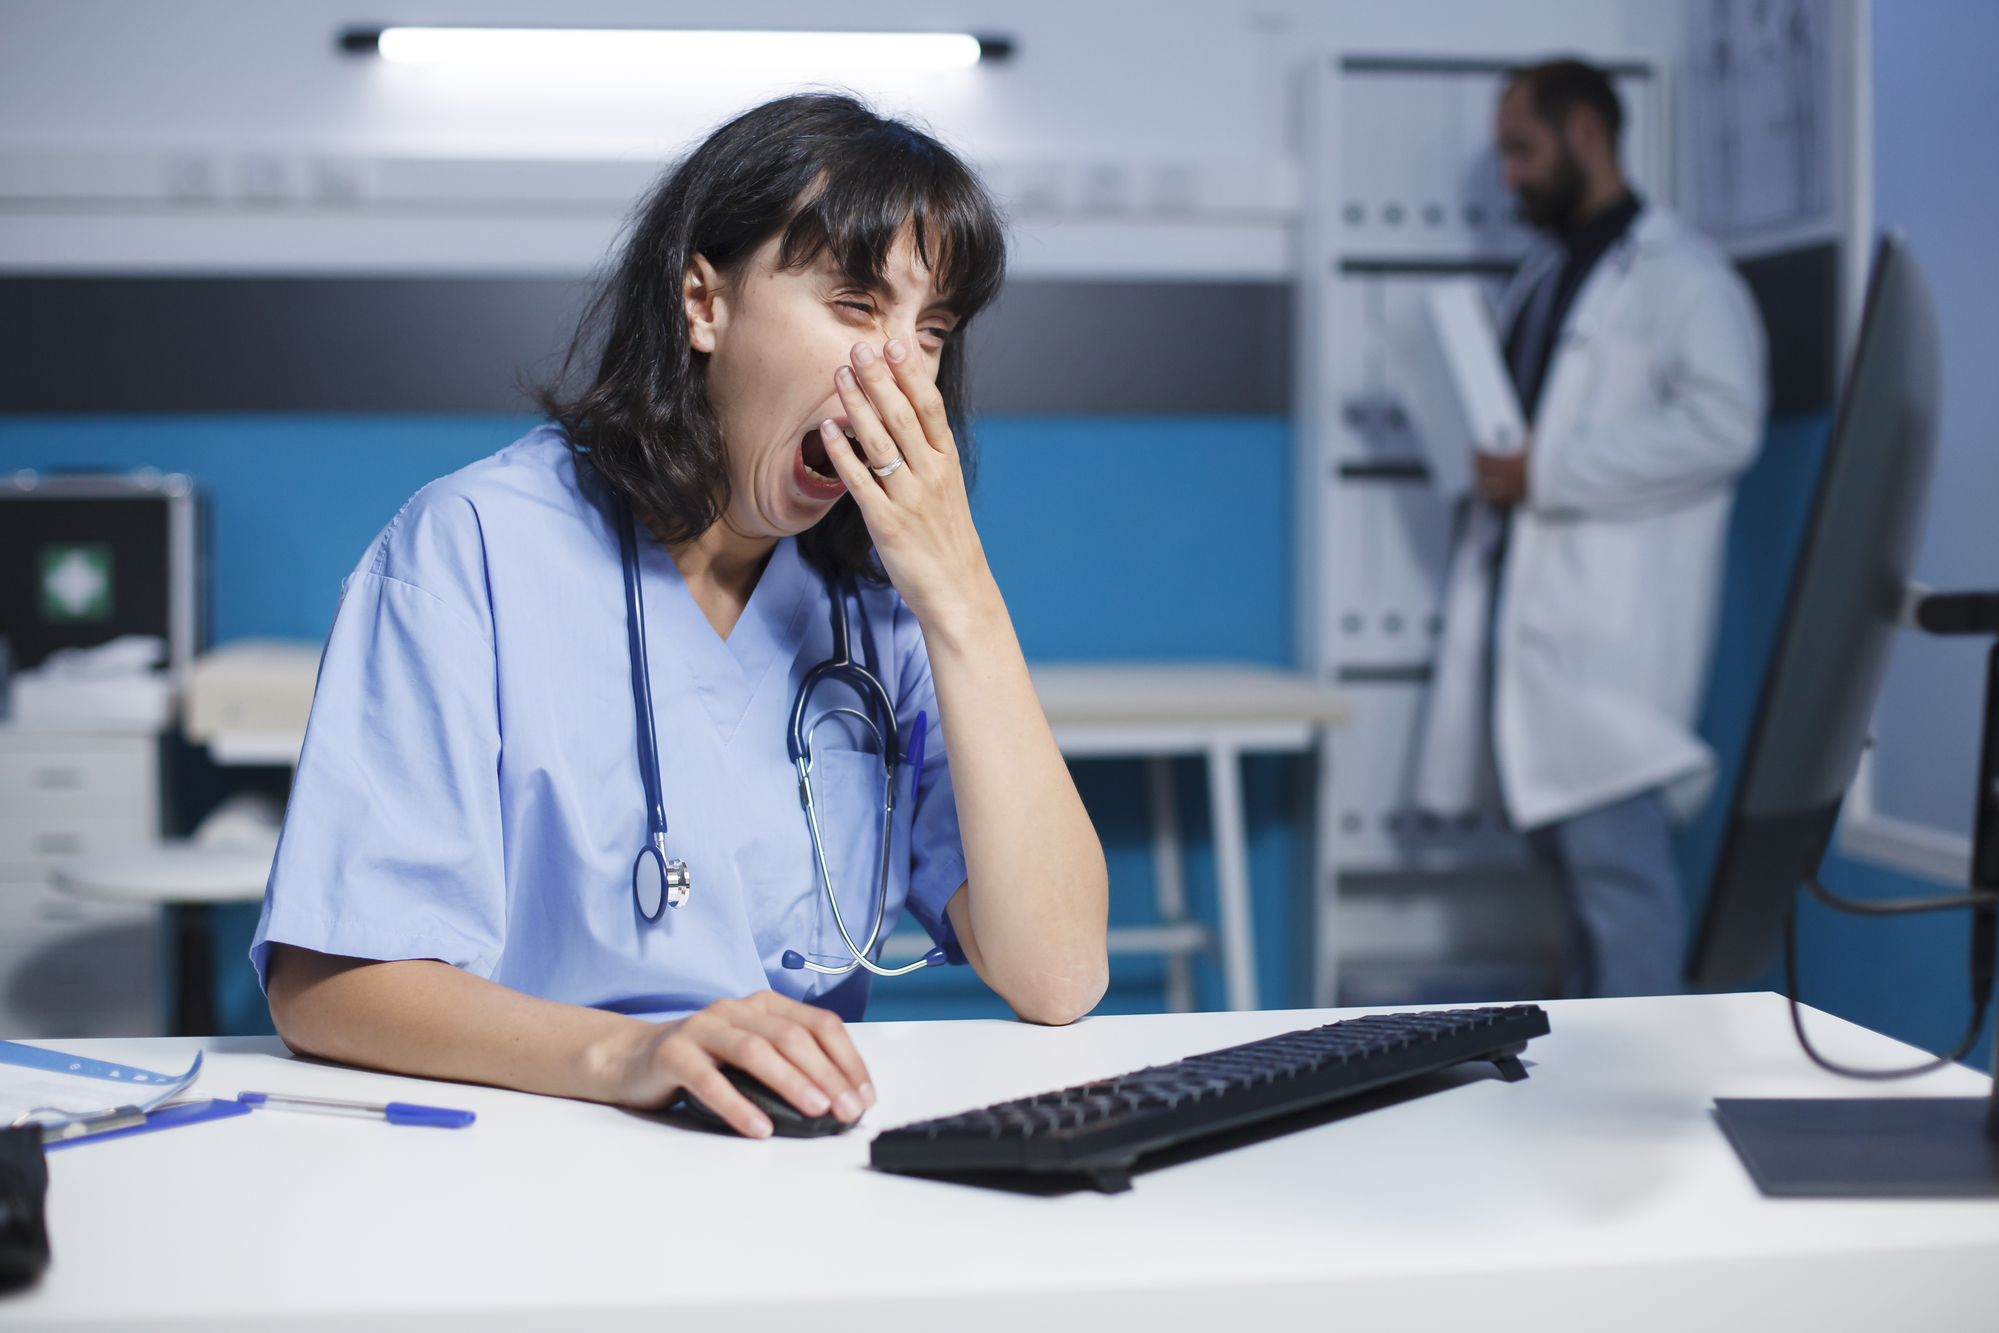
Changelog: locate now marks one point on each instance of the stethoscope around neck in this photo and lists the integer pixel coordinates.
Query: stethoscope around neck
(660, 881)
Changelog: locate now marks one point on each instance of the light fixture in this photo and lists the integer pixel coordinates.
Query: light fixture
(677, 48)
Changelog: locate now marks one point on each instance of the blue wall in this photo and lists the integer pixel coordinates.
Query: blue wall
(1936, 178)
(1163, 523)
(294, 500)
(1157, 517)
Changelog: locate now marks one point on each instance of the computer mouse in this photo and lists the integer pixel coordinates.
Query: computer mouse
(787, 1121)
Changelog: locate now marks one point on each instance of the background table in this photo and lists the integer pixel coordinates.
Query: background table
(187, 880)
(1599, 1194)
(1218, 711)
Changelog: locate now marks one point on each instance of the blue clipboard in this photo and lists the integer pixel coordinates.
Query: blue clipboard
(167, 1117)
(62, 1062)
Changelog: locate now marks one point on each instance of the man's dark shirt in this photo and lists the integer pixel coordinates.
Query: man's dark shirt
(1530, 342)
(1530, 345)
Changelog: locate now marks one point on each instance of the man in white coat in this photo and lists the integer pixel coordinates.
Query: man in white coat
(1583, 592)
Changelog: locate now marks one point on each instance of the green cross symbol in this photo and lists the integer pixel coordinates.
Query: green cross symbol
(75, 581)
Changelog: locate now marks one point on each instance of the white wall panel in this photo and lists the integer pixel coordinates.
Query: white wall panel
(1130, 140)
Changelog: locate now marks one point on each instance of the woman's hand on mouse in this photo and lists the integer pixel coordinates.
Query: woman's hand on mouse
(801, 1052)
(920, 514)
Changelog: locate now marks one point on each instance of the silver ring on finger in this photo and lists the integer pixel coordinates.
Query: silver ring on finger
(889, 470)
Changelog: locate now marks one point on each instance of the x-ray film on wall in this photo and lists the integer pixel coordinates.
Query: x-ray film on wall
(1762, 73)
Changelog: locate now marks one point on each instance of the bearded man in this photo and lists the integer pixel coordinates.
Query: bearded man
(1582, 596)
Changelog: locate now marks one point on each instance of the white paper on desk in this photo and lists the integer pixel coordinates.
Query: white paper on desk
(40, 1084)
(1459, 395)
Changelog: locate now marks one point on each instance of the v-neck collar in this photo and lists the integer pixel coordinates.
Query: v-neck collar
(724, 674)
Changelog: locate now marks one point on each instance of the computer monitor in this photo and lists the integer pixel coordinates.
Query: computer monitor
(1845, 605)
(1850, 593)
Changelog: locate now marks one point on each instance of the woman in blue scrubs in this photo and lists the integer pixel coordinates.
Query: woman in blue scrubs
(779, 401)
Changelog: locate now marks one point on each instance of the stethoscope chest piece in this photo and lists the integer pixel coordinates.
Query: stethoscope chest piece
(658, 883)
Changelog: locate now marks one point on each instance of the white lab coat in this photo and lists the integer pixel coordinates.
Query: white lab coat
(1652, 406)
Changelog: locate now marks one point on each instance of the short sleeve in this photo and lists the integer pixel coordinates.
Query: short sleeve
(392, 844)
(937, 853)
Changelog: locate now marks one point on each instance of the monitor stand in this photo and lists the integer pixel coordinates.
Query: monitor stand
(1864, 1147)
(1891, 1147)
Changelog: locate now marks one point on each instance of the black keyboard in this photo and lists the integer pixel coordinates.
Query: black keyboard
(1100, 1130)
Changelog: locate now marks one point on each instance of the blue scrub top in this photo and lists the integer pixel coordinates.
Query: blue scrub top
(469, 789)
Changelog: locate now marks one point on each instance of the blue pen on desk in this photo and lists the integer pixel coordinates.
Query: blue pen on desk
(396, 1113)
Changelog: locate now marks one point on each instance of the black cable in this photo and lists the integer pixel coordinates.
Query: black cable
(1943, 902)
(1983, 940)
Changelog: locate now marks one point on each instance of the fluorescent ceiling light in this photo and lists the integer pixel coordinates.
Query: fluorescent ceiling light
(684, 49)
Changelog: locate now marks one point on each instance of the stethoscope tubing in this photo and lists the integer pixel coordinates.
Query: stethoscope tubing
(648, 736)
(635, 634)
(879, 718)
(842, 667)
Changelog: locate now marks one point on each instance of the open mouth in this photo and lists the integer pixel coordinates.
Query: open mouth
(813, 450)
(813, 472)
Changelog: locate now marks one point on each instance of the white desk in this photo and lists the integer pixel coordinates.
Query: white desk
(1219, 711)
(1598, 1194)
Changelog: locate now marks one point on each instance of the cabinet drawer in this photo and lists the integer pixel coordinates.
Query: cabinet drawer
(30, 912)
(39, 769)
(49, 842)
(53, 785)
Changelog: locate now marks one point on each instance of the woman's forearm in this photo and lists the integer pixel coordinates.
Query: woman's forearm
(424, 1017)
(1032, 911)
(1036, 895)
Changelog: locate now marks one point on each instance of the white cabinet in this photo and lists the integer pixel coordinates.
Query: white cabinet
(65, 794)
(70, 968)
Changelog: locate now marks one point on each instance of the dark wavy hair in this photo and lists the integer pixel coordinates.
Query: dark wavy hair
(1559, 86)
(829, 175)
